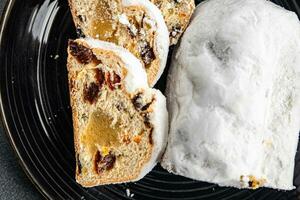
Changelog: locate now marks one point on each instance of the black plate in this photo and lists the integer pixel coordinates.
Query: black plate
(37, 116)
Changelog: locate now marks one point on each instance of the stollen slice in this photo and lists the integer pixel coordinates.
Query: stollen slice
(136, 25)
(120, 124)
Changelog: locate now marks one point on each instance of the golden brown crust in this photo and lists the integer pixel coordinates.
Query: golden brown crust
(92, 183)
(71, 78)
(73, 13)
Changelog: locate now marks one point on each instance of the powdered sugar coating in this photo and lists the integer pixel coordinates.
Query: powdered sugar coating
(234, 95)
(159, 119)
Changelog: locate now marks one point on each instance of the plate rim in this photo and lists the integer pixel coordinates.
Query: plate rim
(3, 121)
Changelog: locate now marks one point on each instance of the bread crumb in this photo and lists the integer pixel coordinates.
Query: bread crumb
(128, 192)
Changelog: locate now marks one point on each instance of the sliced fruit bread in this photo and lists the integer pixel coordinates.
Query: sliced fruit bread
(136, 25)
(120, 124)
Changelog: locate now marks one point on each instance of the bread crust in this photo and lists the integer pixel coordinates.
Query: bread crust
(71, 78)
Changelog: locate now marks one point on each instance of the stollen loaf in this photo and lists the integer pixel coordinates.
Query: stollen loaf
(233, 96)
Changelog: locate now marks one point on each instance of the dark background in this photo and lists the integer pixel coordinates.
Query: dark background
(14, 184)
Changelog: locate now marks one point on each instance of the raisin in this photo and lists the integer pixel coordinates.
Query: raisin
(175, 31)
(79, 33)
(117, 79)
(82, 53)
(142, 23)
(131, 33)
(147, 120)
(112, 83)
(99, 77)
(250, 183)
(147, 53)
(81, 18)
(109, 161)
(90, 92)
(150, 136)
(108, 80)
(78, 163)
(98, 158)
(145, 107)
(137, 101)
(104, 163)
